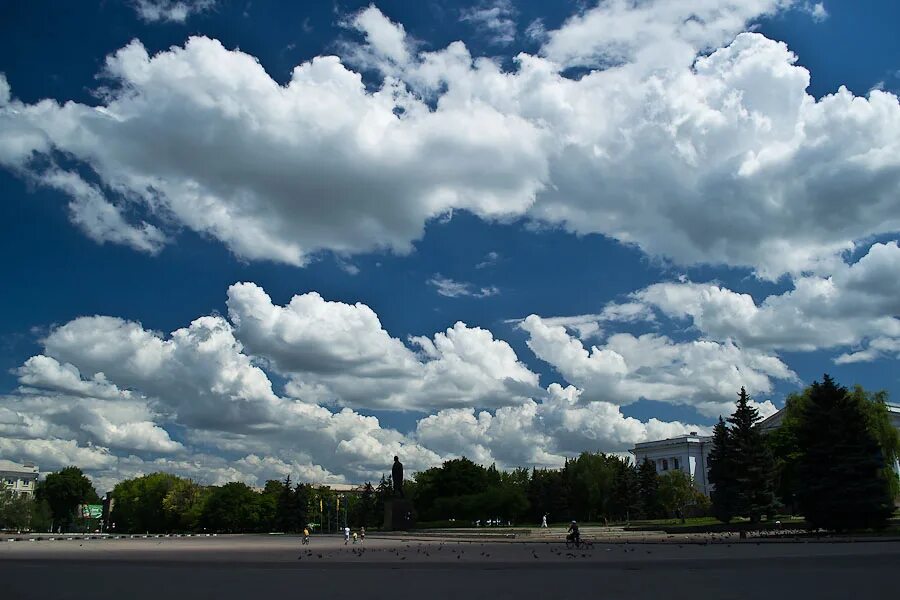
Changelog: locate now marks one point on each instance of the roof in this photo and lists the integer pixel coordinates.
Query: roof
(688, 437)
(8, 465)
(340, 487)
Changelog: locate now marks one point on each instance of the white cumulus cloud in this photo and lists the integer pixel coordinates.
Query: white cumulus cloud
(690, 138)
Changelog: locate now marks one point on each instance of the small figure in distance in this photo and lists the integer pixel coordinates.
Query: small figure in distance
(574, 535)
(544, 521)
(362, 534)
(346, 535)
(306, 536)
(354, 538)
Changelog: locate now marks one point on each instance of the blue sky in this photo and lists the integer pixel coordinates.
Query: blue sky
(660, 190)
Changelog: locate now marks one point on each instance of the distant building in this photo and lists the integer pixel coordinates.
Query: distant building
(341, 488)
(690, 453)
(17, 478)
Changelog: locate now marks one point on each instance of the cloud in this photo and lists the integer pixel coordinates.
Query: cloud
(387, 45)
(816, 10)
(174, 11)
(490, 259)
(856, 302)
(876, 348)
(651, 33)
(541, 433)
(496, 19)
(454, 289)
(101, 220)
(536, 31)
(105, 393)
(339, 353)
(322, 163)
(627, 368)
(708, 148)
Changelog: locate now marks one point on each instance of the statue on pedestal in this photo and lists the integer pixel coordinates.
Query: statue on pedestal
(399, 513)
(397, 477)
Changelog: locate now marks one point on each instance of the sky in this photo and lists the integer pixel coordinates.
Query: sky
(247, 239)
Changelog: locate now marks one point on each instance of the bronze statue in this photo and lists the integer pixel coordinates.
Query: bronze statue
(397, 477)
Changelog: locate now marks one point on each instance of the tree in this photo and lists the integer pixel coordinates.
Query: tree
(41, 515)
(139, 503)
(841, 482)
(626, 493)
(676, 492)
(183, 504)
(751, 463)
(382, 493)
(879, 424)
(232, 508)
(367, 507)
(15, 510)
(301, 499)
(286, 518)
(648, 490)
(64, 491)
(721, 474)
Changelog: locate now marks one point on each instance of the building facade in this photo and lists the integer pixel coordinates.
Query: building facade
(19, 479)
(688, 453)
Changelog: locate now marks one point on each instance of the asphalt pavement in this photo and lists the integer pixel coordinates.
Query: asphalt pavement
(277, 566)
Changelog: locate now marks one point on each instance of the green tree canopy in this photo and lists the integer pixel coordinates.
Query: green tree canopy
(63, 491)
(840, 472)
(139, 503)
(15, 510)
(234, 507)
(183, 504)
(676, 492)
(721, 474)
(751, 463)
(648, 490)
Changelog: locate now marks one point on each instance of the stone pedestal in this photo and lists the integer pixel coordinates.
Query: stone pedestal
(398, 514)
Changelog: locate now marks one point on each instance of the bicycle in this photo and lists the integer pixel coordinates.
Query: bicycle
(578, 544)
(305, 541)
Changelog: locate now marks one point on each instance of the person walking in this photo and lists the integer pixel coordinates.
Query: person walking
(346, 535)
(544, 522)
(362, 534)
(306, 536)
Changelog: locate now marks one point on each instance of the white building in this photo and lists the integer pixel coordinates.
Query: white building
(17, 478)
(690, 453)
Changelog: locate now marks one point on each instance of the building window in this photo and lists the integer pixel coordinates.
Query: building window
(676, 463)
(665, 465)
(10, 482)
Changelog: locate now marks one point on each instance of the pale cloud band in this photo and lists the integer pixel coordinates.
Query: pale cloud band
(118, 399)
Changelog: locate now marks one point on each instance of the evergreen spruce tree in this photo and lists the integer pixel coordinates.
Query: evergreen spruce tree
(840, 476)
(648, 486)
(721, 474)
(301, 497)
(626, 498)
(751, 463)
(285, 515)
